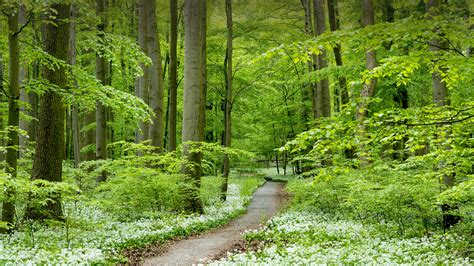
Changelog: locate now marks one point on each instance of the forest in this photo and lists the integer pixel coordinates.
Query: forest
(275, 132)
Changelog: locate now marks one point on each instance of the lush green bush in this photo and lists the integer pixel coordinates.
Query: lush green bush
(405, 199)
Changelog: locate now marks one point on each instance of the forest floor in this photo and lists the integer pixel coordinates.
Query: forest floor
(266, 201)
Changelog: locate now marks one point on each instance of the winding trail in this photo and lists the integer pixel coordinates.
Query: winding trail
(265, 203)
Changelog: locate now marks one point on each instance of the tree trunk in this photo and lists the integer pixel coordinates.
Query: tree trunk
(193, 90)
(50, 138)
(8, 210)
(156, 79)
(440, 98)
(341, 94)
(143, 82)
(173, 76)
(228, 100)
(320, 27)
(308, 90)
(76, 140)
(2, 155)
(368, 89)
(101, 120)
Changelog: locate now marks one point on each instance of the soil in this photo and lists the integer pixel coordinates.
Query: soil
(214, 244)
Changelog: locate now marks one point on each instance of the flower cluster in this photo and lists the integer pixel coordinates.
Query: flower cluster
(96, 237)
(303, 238)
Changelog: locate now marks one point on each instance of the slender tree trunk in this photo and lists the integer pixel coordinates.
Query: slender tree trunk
(308, 90)
(173, 76)
(143, 81)
(47, 164)
(2, 89)
(368, 88)
(8, 210)
(320, 27)
(156, 79)
(101, 119)
(228, 100)
(341, 94)
(440, 98)
(76, 140)
(193, 90)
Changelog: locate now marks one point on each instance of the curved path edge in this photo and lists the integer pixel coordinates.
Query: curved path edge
(266, 201)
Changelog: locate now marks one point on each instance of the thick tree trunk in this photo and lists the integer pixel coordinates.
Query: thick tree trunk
(368, 88)
(50, 139)
(193, 98)
(76, 140)
(101, 119)
(173, 74)
(156, 79)
(228, 100)
(8, 210)
(143, 81)
(320, 27)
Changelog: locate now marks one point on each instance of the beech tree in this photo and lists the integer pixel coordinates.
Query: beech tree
(101, 74)
(8, 210)
(47, 163)
(368, 88)
(156, 131)
(322, 95)
(228, 98)
(173, 75)
(194, 97)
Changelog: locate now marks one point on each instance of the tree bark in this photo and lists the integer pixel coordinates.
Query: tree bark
(308, 92)
(228, 100)
(47, 164)
(156, 81)
(76, 140)
(320, 27)
(101, 120)
(368, 88)
(173, 76)
(193, 90)
(2, 155)
(341, 93)
(440, 98)
(143, 81)
(8, 210)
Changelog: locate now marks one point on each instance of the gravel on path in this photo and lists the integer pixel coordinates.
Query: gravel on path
(265, 203)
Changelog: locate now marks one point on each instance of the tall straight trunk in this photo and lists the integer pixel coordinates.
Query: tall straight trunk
(309, 88)
(193, 90)
(47, 164)
(100, 115)
(2, 155)
(23, 140)
(156, 131)
(143, 81)
(76, 140)
(368, 88)
(203, 35)
(341, 94)
(228, 99)
(440, 98)
(320, 27)
(173, 75)
(8, 210)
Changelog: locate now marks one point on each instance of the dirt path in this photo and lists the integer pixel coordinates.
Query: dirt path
(265, 203)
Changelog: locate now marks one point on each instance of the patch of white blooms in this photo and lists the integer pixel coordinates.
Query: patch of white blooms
(101, 241)
(304, 238)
